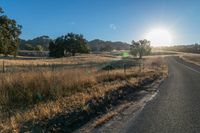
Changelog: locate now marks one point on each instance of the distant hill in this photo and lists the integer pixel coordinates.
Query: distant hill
(29, 44)
(100, 45)
(95, 45)
(194, 48)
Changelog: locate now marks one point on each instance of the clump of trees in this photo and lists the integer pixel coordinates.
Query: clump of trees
(33, 48)
(9, 35)
(68, 45)
(140, 48)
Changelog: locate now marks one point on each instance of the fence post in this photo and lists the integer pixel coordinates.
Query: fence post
(140, 65)
(3, 67)
(124, 69)
(108, 69)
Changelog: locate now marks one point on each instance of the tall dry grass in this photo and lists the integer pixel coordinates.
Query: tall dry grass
(27, 88)
(34, 95)
(81, 59)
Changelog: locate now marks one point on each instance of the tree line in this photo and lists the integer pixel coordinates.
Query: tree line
(66, 45)
(41, 43)
(71, 44)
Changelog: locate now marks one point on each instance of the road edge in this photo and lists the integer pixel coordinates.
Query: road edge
(117, 117)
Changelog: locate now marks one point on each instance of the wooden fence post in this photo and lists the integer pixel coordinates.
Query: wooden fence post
(124, 69)
(3, 67)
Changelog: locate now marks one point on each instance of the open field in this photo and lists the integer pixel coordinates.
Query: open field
(162, 52)
(188, 57)
(81, 59)
(24, 63)
(43, 93)
(192, 58)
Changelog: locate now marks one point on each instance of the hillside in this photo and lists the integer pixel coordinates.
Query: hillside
(95, 45)
(32, 43)
(100, 45)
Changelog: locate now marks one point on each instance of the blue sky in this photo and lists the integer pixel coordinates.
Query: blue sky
(116, 20)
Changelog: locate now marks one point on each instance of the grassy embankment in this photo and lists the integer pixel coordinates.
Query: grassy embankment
(41, 94)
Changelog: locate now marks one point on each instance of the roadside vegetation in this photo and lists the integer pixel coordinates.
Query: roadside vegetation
(38, 95)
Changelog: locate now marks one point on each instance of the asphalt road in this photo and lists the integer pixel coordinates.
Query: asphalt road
(176, 108)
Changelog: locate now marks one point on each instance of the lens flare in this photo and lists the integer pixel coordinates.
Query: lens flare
(159, 37)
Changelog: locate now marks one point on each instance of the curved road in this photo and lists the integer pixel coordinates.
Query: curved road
(176, 108)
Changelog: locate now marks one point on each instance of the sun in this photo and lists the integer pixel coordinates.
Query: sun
(159, 37)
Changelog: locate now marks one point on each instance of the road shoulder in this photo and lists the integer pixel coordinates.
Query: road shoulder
(118, 117)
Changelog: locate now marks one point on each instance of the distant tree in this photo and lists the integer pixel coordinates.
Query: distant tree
(39, 48)
(196, 48)
(52, 47)
(68, 44)
(107, 48)
(9, 35)
(56, 48)
(75, 43)
(28, 47)
(140, 48)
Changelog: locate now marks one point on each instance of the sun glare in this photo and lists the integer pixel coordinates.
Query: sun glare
(159, 37)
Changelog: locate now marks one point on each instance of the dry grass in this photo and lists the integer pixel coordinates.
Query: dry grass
(193, 58)
(35, 95)
(25, 88)
(81, 59)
